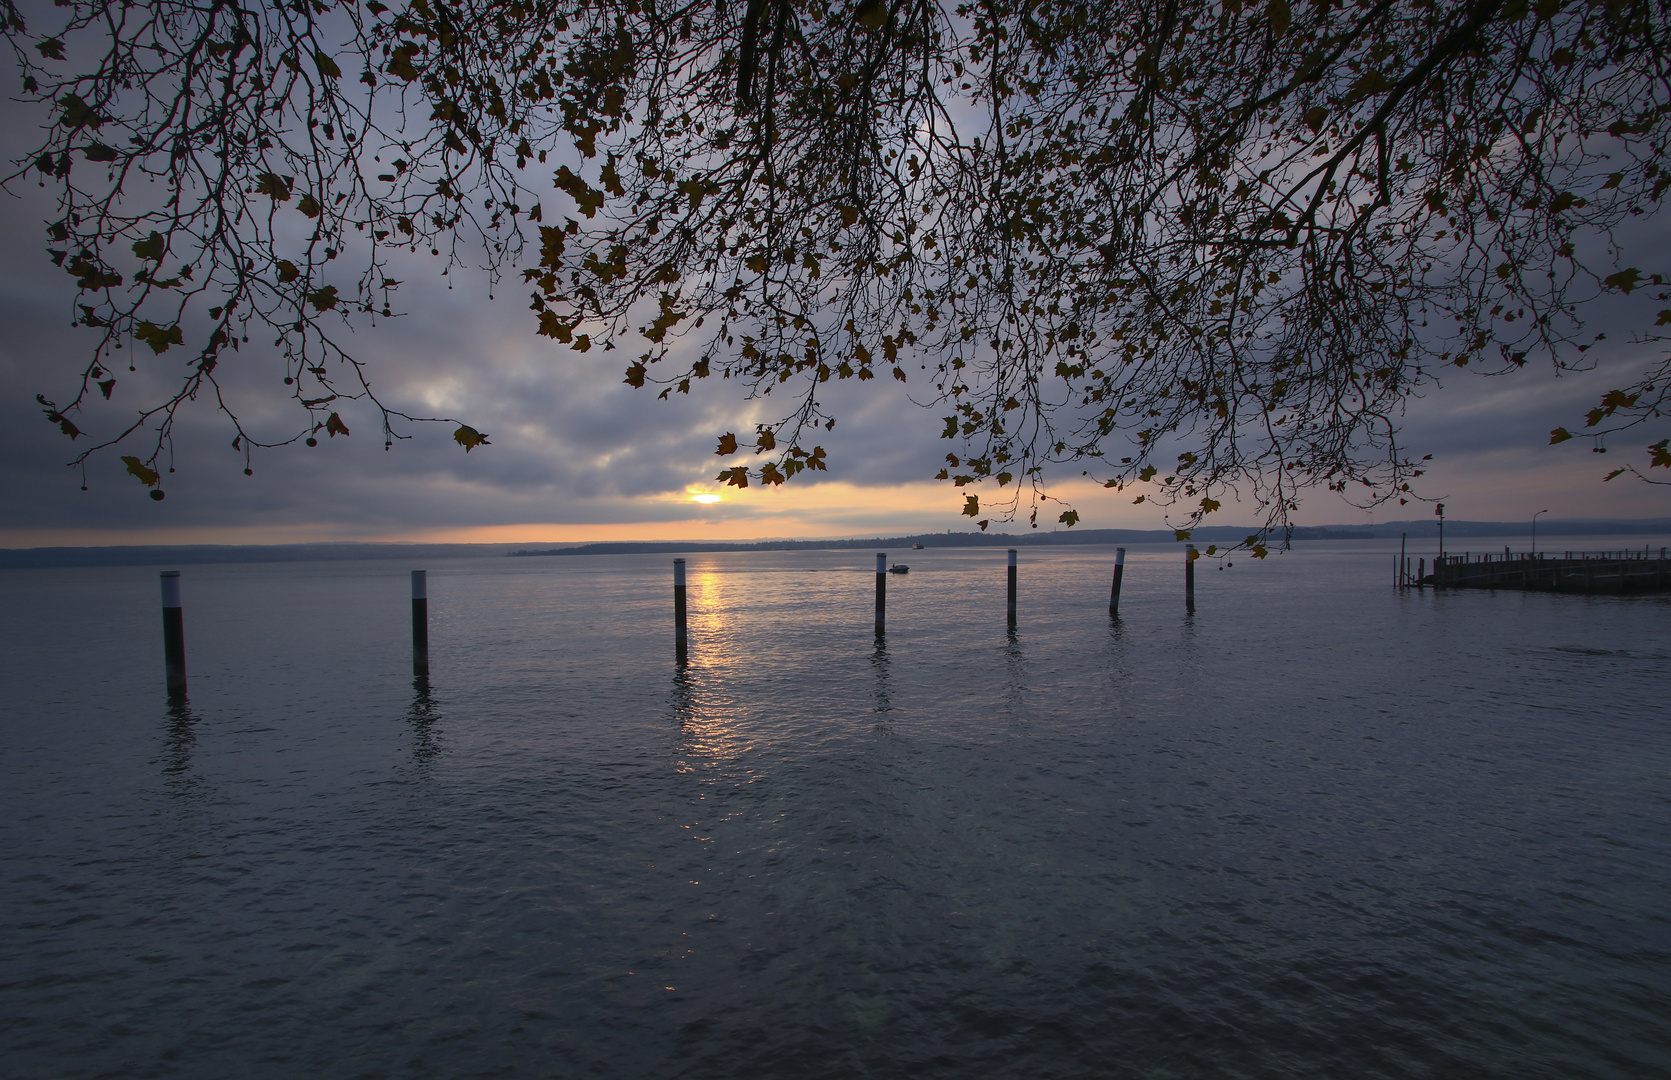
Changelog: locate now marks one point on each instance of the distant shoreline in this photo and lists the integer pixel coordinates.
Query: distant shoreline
(185, 554)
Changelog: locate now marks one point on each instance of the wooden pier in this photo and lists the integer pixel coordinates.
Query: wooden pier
(1589, 572)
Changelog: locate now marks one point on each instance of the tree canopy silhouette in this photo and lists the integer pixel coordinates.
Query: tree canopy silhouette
(1181, 246)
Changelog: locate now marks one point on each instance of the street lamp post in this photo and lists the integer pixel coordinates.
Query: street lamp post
(1535, 532)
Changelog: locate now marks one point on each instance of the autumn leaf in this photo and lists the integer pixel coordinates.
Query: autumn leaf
(275, 185)
(147, 476)
(1559, 435)
(972, 505)
(51, 48)
(1209, 505)
(78, 114)
(553, 327)
(469, 438)
(334, 426)
(159, 337)
(1624, 280)
(98, 152)
(551, 246)
(585, 196)
(1180, 534)
(327, 67)
(287, 271)
(400, 64)
(727, 444)
(323, 299)
(737, 477)
(1148, 473)
(152, 247)
(308, 205)
(1070, 518)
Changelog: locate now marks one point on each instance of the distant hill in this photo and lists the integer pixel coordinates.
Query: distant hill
(193, 554)
(189, 554)
(1546, 527)
(1214, 534)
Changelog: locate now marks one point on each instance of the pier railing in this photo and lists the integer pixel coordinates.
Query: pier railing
(1633, 571)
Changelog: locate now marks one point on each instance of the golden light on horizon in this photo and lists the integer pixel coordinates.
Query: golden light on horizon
(705, 498)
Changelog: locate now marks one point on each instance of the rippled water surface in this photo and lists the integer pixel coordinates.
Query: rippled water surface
(1318, 828)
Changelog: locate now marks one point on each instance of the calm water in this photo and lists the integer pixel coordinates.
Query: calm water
(1317, 829)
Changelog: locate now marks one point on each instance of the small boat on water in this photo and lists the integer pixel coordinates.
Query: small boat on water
(916, 547)
(899, 568)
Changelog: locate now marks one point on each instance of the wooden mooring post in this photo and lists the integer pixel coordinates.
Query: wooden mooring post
(881, 593)
(1012, 589)
(173, 634)
(420, 624)
(681, 641)
(1119, 572)
(1190, 555)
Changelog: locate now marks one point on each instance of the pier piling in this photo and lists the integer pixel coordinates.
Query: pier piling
(1190, 555)
(1012, 589)
(681, 642)
(881, 593)
(420, 624)
(173, 634)
(1119, 572)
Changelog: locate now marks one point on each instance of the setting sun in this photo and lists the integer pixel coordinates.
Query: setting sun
(705, 497)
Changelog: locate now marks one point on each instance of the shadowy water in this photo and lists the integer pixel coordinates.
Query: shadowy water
(1315, 828)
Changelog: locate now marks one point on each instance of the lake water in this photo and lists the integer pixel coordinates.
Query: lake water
(1319, 828)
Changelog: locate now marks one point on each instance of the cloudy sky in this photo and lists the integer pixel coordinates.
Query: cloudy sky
(577, 455)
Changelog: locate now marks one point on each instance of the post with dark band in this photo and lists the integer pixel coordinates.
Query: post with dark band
(681, 643)
(1012, 588)
(173, 634)
(420, 624)
(1119, 572)
(1190, 556)
(881, 593)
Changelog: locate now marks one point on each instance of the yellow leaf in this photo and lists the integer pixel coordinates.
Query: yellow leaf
(334, 426)
(469, 438)
(147, 475)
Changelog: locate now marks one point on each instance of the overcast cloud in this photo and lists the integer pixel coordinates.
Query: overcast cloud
(577, 454)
